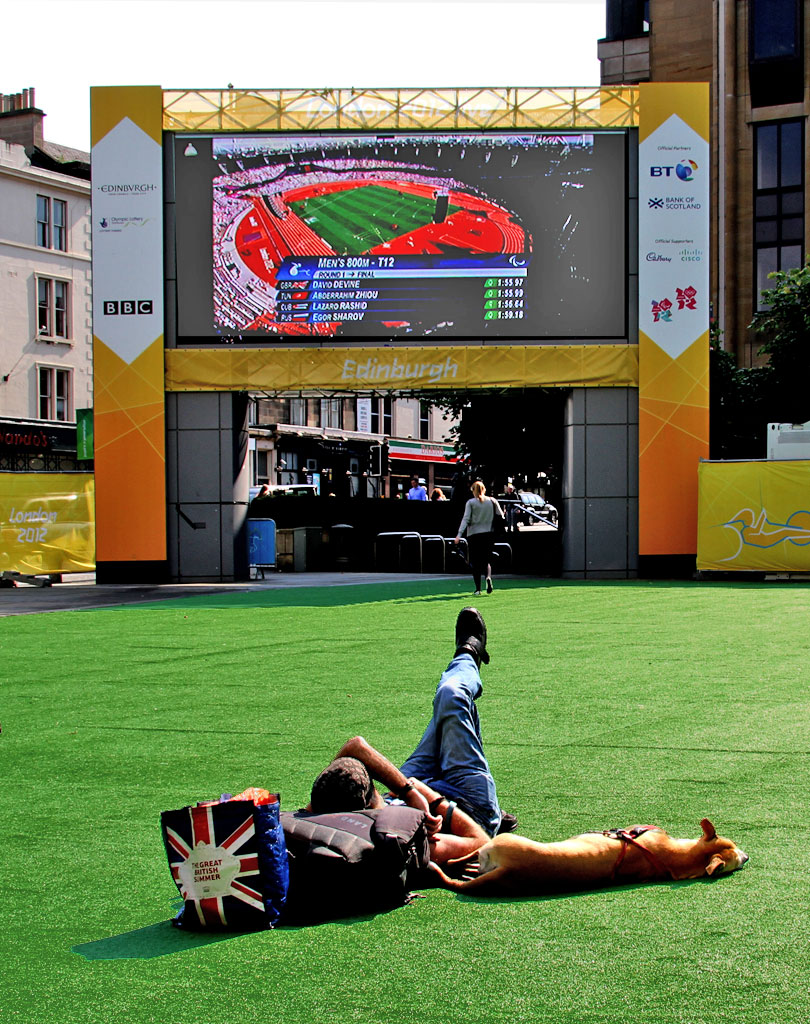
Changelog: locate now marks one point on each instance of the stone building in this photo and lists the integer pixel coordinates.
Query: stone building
(45, 290)
(752, 53)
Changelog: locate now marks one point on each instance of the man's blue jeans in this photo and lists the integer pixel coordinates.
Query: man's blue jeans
(450, 756)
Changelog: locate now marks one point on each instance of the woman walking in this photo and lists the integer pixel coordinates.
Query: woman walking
(478, 523)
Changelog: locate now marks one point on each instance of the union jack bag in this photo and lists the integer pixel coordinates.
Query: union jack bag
(228, 859)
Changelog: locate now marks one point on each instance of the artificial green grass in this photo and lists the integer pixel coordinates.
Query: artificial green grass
(605, 704)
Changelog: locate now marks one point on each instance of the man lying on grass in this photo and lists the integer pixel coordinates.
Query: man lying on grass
(447, 776)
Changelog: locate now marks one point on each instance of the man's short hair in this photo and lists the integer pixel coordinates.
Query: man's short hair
(344, 785)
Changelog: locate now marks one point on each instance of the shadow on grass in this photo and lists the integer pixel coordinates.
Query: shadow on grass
(446, 589)
(330, 597)
(164, 939)
(154, 940)
(606, 889)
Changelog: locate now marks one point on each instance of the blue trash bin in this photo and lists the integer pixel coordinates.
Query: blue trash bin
(261, 544)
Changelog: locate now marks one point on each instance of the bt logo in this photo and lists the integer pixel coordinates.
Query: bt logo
(684, 170)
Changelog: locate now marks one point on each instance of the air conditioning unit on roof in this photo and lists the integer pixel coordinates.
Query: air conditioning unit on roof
(789, 441)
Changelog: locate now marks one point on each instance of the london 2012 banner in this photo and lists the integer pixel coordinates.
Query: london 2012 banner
(47, 523)
(674, 189)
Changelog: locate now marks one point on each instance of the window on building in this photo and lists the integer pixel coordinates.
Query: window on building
(55, 398)
(262, 474)
(51, 223)
(331, 412)
(778, 199)
(774, 29)
(387, 416)
(381, 417)
(424, 421)
(775, 63)
(59, 235)
(44, 222)
(52, 308)
(287, 468)
(627, 19)
(298, 412)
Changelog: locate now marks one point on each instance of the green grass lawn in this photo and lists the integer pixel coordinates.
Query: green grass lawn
(358, 219)
(605, 704)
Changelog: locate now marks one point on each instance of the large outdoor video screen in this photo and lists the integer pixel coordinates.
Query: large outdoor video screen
(356, 236)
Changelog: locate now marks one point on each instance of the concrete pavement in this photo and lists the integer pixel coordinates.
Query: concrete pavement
(80, 591)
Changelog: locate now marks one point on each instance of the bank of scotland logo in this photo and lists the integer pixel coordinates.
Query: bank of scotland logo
(685, 169)
(655, 204)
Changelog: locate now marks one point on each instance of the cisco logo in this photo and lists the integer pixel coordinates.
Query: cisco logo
(684, 170)
(127, 307)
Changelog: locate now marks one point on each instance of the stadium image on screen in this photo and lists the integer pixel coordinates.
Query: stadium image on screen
(459, 236)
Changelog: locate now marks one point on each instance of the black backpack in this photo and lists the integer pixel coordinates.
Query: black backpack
(353, 862)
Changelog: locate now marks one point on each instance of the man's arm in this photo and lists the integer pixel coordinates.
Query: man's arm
(461, 824)
(420, 795)
(382, 770)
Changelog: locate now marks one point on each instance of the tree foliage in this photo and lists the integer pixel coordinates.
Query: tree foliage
(739, 403)
(784, 326)
(743, 400)
(507, 434)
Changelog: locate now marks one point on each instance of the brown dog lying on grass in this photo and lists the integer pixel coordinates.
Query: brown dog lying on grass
(510, 865)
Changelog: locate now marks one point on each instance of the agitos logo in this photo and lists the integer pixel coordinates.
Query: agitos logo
(684, 170)
(127, 307)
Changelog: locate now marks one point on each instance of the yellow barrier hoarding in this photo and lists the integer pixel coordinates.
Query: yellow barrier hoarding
(754, 516)
(367, 368)
(47, 523)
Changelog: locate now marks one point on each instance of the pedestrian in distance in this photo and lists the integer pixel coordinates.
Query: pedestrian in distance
(418, 492)
(478, 523)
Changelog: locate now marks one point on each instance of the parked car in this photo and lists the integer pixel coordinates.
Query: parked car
(287, 491)
(528, 508)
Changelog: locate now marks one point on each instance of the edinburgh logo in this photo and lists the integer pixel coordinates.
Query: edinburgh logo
(136, 188)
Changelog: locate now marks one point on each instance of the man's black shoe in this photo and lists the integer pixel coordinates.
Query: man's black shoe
(471, 635)
(508, 823)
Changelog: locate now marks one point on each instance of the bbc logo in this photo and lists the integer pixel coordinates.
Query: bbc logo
(127, 307)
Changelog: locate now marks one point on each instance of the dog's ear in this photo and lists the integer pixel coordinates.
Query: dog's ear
(715, 864)
(709, 832)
